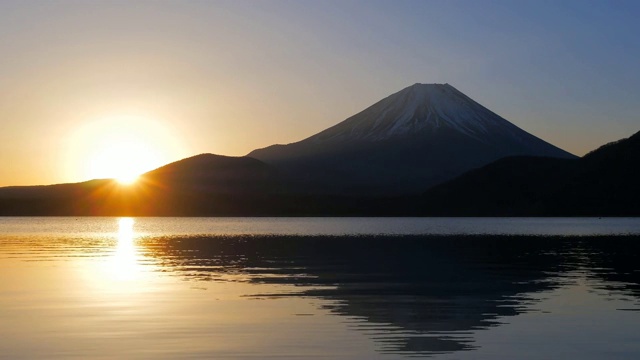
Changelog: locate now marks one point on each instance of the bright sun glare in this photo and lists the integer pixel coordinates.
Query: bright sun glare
(122, 159)
(123, 147)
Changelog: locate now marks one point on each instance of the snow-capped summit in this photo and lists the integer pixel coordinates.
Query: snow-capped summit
(415, 109)
(422, 135)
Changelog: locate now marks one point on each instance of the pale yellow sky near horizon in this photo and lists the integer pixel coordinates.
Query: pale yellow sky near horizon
(94, 89)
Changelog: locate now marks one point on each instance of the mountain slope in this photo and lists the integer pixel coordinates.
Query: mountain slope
(211, 173)
(420, 136)
(199, 185)
(602, 183)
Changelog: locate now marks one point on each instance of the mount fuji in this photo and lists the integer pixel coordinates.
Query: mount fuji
(418, 137)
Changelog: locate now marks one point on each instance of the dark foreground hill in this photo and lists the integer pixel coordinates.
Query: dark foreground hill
(199, 185)
(202, 185)
(605, 182)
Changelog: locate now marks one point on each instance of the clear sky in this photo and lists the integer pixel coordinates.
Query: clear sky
(150, 82)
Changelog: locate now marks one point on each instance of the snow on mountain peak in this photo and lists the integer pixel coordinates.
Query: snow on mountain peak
(417, 108)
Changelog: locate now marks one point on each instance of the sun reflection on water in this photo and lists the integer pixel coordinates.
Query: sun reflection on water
(121, 276)
(125, 229)
(125, 261)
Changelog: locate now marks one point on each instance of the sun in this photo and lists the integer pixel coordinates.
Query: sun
(122, 148)
(122, 156)
(127, 179)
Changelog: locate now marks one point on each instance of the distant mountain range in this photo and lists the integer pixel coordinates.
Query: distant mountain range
(418, 137)
(425, 150)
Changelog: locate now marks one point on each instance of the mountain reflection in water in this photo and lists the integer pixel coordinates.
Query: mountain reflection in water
(411, 294)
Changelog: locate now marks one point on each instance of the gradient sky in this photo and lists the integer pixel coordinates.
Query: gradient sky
(227, 77)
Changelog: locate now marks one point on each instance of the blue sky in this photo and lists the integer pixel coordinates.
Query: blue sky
(227, 77)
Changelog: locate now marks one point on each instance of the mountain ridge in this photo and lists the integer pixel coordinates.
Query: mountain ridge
(601, 183)
(419, 136)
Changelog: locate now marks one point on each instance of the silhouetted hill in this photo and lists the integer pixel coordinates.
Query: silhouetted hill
(602, 183)
(418, 137)
(58, 199)
(202, 185)
(51, 191)
(607, 182)
(199, 185)
(211, 173)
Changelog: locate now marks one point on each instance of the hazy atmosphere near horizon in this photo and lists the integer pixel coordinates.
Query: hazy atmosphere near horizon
(92, 89)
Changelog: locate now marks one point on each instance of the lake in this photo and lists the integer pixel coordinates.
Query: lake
(322, 288)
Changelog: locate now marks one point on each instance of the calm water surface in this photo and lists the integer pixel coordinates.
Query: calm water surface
(334, 288)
